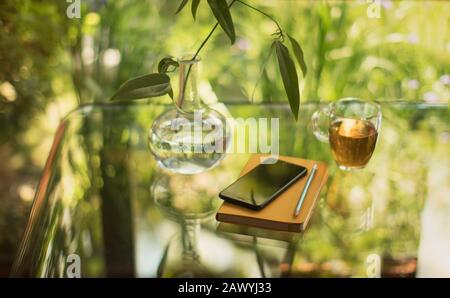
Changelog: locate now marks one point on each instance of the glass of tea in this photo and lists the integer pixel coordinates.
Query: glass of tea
(351, 126)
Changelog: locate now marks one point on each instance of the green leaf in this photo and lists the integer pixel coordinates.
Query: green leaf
(150, 85)
(194, 7)
(298, 52)
(289, 76)
(182, 5)
(221, 11)
(165, 63)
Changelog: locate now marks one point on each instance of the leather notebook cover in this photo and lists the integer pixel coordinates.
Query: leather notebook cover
(279, 214)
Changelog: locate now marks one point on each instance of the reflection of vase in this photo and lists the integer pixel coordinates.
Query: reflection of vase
(191, 137)
(184, 257)
(188, 209)
(186, 197)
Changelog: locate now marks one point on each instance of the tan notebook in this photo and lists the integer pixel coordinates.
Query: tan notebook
(279, 214)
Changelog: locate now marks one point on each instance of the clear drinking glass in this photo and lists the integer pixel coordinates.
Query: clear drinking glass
(351, 127)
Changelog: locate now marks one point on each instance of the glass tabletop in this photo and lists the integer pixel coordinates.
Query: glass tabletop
(104, 202)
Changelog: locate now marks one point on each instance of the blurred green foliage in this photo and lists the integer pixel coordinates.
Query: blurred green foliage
(401, 55)
(348, 53)
(30, 44)
(50, 60)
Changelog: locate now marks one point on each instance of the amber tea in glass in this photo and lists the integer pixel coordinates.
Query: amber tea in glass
(352, 142)
(351, 126)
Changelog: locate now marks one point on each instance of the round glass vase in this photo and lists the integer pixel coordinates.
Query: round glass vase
(190, 137)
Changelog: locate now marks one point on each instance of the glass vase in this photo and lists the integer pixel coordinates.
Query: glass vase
(190, 137)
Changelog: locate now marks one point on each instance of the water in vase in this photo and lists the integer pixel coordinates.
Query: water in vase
(186, 143)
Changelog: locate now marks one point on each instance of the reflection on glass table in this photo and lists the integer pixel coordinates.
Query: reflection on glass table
(103, 197)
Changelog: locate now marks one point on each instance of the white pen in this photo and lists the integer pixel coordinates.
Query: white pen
(305, 190)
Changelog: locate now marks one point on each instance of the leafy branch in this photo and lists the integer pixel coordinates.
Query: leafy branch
(158, 84)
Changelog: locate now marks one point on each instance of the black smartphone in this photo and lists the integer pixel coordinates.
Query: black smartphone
(262, 184)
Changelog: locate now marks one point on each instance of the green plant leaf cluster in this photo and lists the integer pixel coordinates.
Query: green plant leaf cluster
(158, 84)
(150, 85)
(221, 11)
(165, 63)
(289, 76)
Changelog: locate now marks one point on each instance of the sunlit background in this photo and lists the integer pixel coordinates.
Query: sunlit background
(50, 64)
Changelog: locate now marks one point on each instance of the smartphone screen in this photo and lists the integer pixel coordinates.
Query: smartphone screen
(262, 184)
